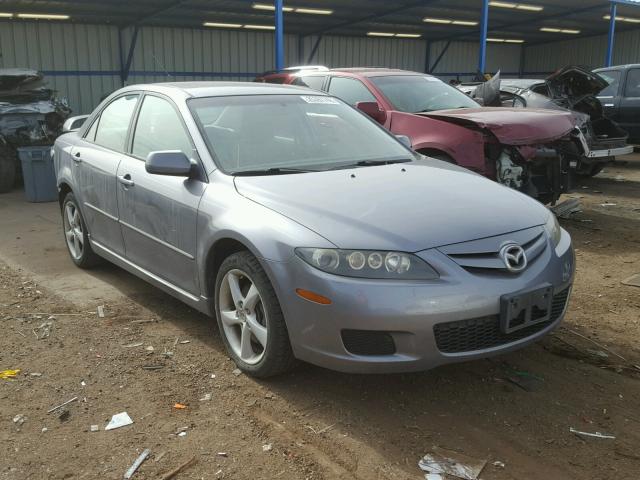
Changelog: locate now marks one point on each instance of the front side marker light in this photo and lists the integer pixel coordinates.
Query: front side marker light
(313, 297)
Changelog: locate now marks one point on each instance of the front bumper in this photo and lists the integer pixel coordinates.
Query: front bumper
(408, 312)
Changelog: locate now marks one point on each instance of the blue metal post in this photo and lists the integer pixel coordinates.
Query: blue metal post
(484, 24)
(612, 32)
(279, 34)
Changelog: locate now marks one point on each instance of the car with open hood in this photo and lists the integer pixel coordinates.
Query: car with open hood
(598, 139)
(519, 149)
(307, 230)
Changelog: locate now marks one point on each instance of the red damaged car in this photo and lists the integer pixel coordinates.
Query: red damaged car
(522, 149)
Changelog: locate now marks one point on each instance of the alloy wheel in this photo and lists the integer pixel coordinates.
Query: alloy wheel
(73, 230)
(244, 319)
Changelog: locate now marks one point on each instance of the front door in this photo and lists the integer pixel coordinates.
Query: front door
(96, 160)
(158, 214)
(629, 110)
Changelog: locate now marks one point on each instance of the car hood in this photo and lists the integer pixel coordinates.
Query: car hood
(407, 207)
(512, 126)
(577, 82)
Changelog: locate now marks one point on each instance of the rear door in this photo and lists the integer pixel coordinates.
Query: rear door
(610, 95)
(158, 213)
(96, 158)
(629, 110)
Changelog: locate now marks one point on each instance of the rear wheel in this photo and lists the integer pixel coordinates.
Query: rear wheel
(251, 322)
(76, 235)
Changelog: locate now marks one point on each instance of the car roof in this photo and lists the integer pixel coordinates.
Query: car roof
(221, 89)
(618, 67)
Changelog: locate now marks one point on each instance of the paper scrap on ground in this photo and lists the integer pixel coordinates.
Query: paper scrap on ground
(119, 420)
(448, 462)
(633, 280)
(6, 374)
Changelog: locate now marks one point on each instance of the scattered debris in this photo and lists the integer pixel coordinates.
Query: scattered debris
(152, 367)
(184, 342)
(206, 398)
(159, 456)
(119, 420)
(607, 204)
(567, 208)
(223, 454)
(433, 476)
(632, 281)
(44, 430)
(267, 447)
(132, 469)
(442, 461)
(182, 434)
(19, 419)
(101, 311)
(179, 406)
(7, 374)
(637, 367)
(94, 428)
(322, 430)
(62, 405)
(149, 320)
(525, 380)
(133, 345)
(269, 395)
(175, 471)
(43, 331)
(149, 349)
(236, 372)
(64, 415)
(499, 464)
(594, 435)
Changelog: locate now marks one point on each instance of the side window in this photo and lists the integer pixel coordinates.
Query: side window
(541, 89)
(91, 134)
(159, 128)
(113, 124)
(350, 90)
(633, 83)
(311, 81)
(612, 77)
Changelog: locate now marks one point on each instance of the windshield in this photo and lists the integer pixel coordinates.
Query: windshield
(421, 93)
(280, 132)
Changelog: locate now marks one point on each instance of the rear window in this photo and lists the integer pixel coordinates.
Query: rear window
(310, 81)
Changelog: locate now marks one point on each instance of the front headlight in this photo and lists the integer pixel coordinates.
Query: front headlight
(368, 263)
(553, 229)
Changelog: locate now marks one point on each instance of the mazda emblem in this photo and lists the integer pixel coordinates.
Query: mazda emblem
(513, 257)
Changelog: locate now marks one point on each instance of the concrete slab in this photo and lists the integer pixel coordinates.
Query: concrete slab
(31, 239)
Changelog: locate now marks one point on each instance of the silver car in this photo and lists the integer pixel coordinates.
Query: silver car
(307, 230)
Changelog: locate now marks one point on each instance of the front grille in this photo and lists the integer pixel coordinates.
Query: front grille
(368, 342)
(484, 332)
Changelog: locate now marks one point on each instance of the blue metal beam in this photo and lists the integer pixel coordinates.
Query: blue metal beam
(314, 49)
(279, 19)
(484, 25)
(611, 36)
(374, 16)
(444, 50)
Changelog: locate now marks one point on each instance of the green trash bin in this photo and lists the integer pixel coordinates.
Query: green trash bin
(38, 174)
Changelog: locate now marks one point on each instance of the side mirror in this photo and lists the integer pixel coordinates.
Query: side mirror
(169, 162)
(406, 141)
(373, 110)
(73, 124)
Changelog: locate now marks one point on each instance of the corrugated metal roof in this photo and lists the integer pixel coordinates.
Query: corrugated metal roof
(350, 17)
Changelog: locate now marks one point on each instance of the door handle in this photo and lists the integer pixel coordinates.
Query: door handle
(76, 157)
(126, 180)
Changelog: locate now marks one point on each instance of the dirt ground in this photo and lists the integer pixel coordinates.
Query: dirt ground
(314, 423)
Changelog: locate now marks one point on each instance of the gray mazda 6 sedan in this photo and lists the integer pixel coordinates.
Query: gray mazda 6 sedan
(307, 230)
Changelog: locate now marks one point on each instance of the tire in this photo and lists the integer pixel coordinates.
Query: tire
(8, 170)
(247, 322)
(76, 235)
(590, 170)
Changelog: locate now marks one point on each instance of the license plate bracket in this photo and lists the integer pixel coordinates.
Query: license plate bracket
(522, 309)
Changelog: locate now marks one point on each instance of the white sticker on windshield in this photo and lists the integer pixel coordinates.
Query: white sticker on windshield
(319, 99)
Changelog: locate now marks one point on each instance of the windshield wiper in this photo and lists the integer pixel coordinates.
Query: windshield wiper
(271, 171)
(371, 163)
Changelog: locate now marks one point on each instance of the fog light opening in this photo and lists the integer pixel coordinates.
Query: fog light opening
(313, 297)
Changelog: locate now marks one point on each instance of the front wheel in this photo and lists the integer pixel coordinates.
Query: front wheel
(76, 235)
(251, 322)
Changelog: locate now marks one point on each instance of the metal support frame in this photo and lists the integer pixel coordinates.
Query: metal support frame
(484, 26)
(522, 61)
(611, 35)
(279, 20)
(444, 50)
(125, 67)
(300, 49)
(427, 57)
(314, 49)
